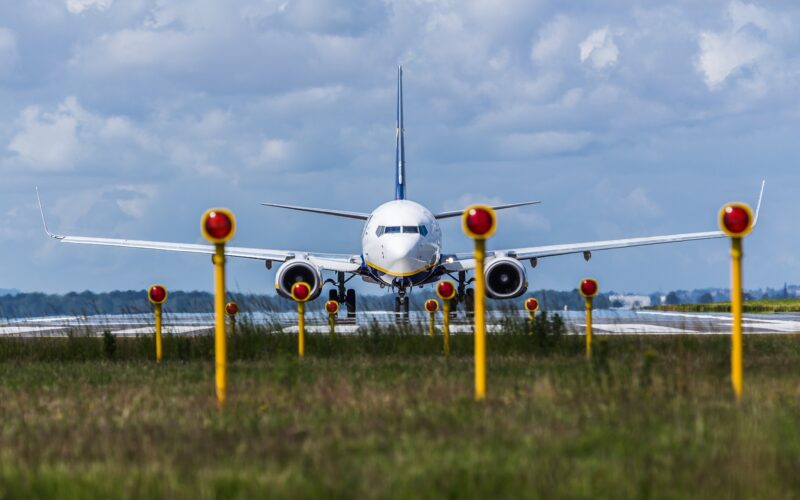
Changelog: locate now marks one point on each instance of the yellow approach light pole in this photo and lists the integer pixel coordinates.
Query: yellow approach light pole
(531, 305)
(446, 290)
(332, 308)
(736, 220)
(218, 225)
(479, 222)
(431, 305)
(157, 295)
(589, 289)
(232, 309)
(301, 292)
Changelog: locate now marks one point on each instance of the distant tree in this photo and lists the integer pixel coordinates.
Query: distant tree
(617, 303)
(672, 299)
(706, 298)
(655, 299)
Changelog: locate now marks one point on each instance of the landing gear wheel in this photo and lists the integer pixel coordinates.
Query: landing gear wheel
(333, 295)
(406, 304)
(350, 302)
(469, 302)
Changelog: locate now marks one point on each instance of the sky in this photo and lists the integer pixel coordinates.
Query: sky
(624, 118)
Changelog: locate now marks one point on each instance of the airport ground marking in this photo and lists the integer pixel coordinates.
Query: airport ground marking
(588, 288)
(531, 305)
(431, 306)
(157, 295)
(232, 309)
(479, 222)
(218, 225)
(301, 292)
(446, 290)
(736, 220)
(332, 308)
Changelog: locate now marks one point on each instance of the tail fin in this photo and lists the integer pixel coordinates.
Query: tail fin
(400, 152)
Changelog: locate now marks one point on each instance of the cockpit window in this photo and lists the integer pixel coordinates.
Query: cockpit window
(381, 230)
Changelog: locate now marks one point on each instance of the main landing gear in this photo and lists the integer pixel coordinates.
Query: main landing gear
(343, 295)
(464, 295)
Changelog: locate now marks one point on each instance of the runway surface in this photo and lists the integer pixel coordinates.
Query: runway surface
(606, 322)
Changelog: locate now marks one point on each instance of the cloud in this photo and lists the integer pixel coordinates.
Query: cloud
(545, 143)
(62, 139)
(78, 6)
(599, 49)
(8, 51)
(552, 40)
(745, 43)
(47, 141)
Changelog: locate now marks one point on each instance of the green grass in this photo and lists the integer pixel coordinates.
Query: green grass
(750, 306)
(385, 415)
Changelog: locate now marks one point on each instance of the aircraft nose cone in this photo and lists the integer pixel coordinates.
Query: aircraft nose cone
(402, 255)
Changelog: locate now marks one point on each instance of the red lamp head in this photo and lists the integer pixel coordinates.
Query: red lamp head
(301, 291)
(589, 288)
(531, 305)
(218, 225)
(431, 305)
(332, 307)
(479, 222)
(736, 219)
(157, 294)
(446, 290)
(232, 308)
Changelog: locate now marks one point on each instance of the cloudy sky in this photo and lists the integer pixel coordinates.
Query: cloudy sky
(624, 118)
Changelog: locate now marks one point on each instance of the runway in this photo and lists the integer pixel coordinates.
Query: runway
(605, 322)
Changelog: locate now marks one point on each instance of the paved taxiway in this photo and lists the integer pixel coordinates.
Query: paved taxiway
(605, 323)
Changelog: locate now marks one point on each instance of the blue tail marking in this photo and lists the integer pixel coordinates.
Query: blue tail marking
(400, 150)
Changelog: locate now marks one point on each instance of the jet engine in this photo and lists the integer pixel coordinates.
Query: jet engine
(505, 278)
(296, 271)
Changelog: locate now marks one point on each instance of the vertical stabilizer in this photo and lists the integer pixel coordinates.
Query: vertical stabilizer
(400, 152)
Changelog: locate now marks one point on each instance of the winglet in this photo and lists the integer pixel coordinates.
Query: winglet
(44, 222)
(758, 205)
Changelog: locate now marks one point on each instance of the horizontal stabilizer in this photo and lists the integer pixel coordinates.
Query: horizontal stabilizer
(337, 213)
(457, 213)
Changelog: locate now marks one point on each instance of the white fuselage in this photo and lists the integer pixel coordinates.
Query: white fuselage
(401, 242)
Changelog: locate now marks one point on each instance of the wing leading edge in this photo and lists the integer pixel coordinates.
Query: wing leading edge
(459, 261)
(329, 262)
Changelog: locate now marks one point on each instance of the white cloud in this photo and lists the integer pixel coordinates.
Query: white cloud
(273, 154)
(745, 43)
(551, 41)
(599, 49)
(78, 6)
(8, 51)
(50, 141)
(722, 54)
(545, 143)
(47, 141)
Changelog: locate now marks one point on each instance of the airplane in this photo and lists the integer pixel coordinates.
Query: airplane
(401, 247)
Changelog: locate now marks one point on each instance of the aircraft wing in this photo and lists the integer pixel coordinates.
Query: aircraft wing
(457, 213)
(324, 211)
(329, 262)
(462, 260)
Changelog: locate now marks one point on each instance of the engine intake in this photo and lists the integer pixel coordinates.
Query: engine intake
(505, 278)
(296, 271)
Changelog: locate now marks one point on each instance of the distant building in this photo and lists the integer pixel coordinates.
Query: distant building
(629, 301)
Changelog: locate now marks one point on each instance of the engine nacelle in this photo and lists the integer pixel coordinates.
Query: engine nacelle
(505, 278)
(296, 271)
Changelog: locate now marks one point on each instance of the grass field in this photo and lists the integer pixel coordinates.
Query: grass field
(385, 415)
(749, 306)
